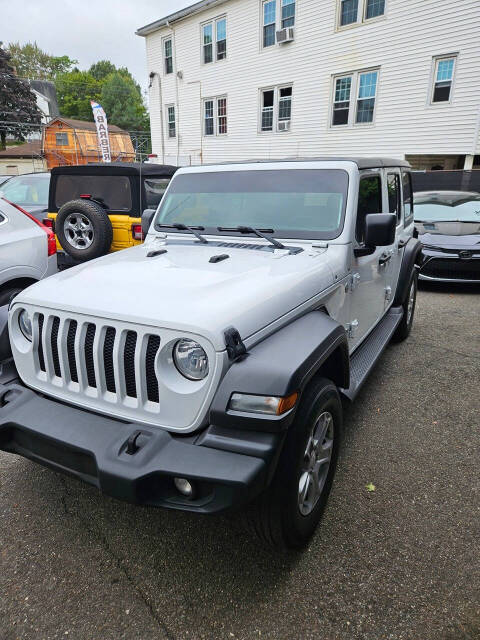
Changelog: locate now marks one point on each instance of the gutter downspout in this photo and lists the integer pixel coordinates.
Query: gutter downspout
(177, 114)
(199, 82)
(162, 136)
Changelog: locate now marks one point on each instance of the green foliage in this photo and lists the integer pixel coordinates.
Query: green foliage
(30, 61)
(101, 69)
(18, 104)
(122, 102)
(74, 92)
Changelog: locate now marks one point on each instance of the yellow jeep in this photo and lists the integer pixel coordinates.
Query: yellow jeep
(97, 208)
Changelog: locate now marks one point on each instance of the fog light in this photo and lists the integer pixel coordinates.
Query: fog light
(183, 486)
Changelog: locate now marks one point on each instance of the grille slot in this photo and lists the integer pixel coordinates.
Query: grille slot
(89, 338)
(108, 359)
(454, 269)
(129, 363)
(41, 359)
(153, 345)
(54, 346)
(72, 361)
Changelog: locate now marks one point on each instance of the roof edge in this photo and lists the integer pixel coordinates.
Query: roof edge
(178, 15)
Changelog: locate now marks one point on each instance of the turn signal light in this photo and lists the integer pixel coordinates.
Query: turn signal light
(269, 405)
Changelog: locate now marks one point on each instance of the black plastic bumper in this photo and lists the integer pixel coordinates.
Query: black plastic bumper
(227, 467)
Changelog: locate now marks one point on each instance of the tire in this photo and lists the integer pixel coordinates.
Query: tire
(7, 296)
(84, 229)
(279, 516)
(403, 330)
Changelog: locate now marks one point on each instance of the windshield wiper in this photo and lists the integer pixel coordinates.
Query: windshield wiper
(183, 227)
(258, 232)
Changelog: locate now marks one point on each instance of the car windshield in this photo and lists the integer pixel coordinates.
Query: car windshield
(443, 208)
(299, 203)
(28, 190)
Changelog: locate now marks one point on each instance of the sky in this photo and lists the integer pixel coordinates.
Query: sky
(86, 30)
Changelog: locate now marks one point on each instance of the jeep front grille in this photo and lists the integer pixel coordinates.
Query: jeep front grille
(98, 356)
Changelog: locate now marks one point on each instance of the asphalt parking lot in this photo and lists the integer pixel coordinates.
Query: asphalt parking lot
(398, 562)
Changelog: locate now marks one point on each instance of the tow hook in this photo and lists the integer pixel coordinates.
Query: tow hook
(132, 446)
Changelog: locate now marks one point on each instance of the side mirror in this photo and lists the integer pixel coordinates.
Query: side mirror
(147, 217)
(380, 229)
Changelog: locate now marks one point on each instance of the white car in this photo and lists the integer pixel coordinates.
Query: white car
(204, 369)
(27, 254)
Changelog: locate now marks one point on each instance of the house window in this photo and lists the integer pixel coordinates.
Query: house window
(269, 22)
(171, 126)
(367, 90)
(362, 84)
(358, 11)
(442, 86)
(276, 109)
(219, 28)
(221, 31)
(215, 116)
(167, 48)
(61, 139)
(207, 43)
(341, 102)
(288, 13)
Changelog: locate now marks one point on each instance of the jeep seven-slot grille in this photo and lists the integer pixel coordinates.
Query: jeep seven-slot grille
(106, 370)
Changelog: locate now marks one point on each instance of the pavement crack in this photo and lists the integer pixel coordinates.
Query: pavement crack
(118, 561)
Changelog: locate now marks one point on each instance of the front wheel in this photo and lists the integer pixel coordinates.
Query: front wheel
(288, 512)
(403, 330)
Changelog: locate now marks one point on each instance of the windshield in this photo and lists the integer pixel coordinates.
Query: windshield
(295, 203)
(27, 190)
(464, 210)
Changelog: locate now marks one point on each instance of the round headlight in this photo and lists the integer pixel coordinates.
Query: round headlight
(190, 359)
(25, 324)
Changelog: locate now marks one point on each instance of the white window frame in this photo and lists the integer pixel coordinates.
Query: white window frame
(216, 117)
(164, 41)
(433, 79)
(276, 108)
(168, 121)
(353, 105)
(361, 15)
(213, 23)
(277, 24)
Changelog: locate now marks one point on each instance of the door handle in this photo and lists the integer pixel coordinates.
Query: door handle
(384, 259)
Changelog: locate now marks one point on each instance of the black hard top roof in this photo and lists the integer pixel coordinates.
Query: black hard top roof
(117, 168)
(362, 163)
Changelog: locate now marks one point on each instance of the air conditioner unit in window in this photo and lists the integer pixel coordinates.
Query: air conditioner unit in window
(285, 35)
(284, 125)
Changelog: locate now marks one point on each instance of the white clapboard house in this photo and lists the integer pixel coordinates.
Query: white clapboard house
(238, 79)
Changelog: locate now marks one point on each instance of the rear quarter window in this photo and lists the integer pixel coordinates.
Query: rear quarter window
(114, 191)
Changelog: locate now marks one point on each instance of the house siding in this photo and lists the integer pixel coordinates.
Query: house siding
(401, 44)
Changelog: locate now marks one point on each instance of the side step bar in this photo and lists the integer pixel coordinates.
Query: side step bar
(365, 357)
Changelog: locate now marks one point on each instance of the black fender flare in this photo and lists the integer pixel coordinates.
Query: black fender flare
(283, 363)
(411, 257)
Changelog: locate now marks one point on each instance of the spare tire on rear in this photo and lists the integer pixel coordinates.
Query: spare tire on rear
(84, 229)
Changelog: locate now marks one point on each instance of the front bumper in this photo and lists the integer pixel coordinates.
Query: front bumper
(438, 266)
(228, 467)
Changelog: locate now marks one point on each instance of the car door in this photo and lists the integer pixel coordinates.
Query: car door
(393, 253)
(368, 275)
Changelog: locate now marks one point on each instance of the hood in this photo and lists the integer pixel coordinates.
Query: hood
(455, 235)
(182, 290)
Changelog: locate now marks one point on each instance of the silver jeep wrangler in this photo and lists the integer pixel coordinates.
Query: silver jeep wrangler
(205, 369)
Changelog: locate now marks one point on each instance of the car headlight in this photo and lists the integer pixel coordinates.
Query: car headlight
(190, 359)
(25, 324)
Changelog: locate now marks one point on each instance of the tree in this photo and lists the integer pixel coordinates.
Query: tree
(74, 92)
(101, 69)
(19, 114)
(122, 101)
(30, 61)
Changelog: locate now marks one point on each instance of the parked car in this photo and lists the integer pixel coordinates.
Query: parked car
(448, 225)
(27, 254)
(97, 208)
(29, 191)
(3, 179)
(204, 369)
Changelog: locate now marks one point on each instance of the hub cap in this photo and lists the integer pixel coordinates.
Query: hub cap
(78, 230)
(316, 463)
(411, 302)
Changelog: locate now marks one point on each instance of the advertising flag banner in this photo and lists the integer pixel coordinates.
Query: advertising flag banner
(102, 130)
